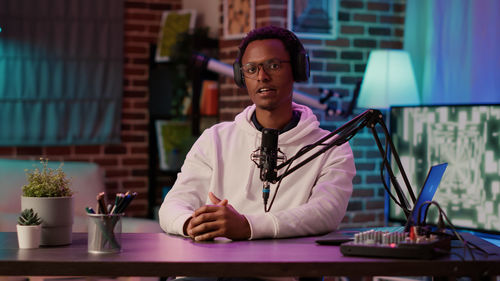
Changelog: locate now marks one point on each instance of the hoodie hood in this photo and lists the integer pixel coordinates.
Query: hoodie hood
(307, 124)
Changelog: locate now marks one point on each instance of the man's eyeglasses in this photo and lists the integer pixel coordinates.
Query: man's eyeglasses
(251, 70)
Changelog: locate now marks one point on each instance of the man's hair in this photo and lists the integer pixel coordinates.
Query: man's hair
(290, 41)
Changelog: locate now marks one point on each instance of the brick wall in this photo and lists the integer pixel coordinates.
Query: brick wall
(125, 164)
(363, 25)
(336, 64)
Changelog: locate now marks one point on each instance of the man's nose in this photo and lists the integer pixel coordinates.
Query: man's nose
(262, 75)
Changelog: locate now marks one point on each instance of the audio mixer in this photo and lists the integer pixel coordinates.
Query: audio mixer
(396, 245)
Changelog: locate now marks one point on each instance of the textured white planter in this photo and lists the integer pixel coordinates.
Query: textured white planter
(57, 216)
(28, 236)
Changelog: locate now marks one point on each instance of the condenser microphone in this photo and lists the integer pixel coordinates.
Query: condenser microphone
(268, 158)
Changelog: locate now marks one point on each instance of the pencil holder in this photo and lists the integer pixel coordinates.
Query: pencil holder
(104, 233)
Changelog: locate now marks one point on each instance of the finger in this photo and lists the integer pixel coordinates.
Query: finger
(205, 237)
(189, 232)
(205, 228)
(211, 235)
(205, 209)
(203, 218)
(215, 200)
(187, 225)
(223, 202)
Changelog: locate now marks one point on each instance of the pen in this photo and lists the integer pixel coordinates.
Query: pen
(89, 210)
(118, 199)
(125, 202)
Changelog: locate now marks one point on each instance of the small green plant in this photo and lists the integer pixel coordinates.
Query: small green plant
(47, 182)
(29, 217)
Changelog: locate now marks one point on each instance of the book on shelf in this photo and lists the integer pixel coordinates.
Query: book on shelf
(209, 100)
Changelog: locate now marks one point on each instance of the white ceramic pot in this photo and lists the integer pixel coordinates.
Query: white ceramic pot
(28, 236)
(57, 218)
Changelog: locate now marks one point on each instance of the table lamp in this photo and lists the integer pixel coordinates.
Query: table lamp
(388, 80)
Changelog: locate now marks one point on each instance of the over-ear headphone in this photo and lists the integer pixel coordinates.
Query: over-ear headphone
(300, 66)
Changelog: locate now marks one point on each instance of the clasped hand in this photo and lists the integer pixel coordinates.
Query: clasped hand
(217, 220)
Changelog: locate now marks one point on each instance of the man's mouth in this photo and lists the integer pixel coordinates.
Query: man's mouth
(265, 90)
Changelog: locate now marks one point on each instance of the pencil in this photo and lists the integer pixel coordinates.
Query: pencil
(102, 203)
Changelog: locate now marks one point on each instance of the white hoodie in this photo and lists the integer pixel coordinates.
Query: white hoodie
(310, 201)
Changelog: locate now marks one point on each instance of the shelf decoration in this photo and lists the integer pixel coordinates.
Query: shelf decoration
(239, 18)
(173, 23)
(313, 19)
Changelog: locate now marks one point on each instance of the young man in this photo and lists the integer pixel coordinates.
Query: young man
(219, 193)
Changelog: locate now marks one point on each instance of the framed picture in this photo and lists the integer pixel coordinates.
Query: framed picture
(174, 142)
(313, 19)
(239, 18)
(172, 24)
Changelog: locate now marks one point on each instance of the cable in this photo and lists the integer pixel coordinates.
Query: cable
(462, 258)
(281, 178)
(382, 177)
(453, 229)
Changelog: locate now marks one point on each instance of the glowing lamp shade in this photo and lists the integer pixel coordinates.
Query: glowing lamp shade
(388, 80)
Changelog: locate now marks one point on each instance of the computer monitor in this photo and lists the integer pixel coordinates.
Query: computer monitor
(468, 138)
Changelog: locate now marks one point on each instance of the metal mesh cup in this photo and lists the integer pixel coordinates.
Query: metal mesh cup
(104, 233)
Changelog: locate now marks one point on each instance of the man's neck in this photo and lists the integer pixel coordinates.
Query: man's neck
(273, 119)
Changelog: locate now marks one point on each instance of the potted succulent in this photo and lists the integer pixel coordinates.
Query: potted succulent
(28, 229)
(48, 194)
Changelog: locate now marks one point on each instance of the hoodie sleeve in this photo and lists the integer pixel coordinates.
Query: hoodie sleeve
(324, 209)
(190, 189)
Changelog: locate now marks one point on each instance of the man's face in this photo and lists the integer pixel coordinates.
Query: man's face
(269, 90)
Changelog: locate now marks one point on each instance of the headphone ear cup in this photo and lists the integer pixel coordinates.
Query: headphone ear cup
(238, 76)
(302, 67)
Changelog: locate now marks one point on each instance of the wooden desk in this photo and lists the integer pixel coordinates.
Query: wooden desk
(158, 254)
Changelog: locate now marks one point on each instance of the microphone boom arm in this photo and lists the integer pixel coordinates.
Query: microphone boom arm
(369, 118)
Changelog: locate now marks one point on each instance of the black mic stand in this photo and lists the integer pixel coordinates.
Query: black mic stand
(370, 118)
